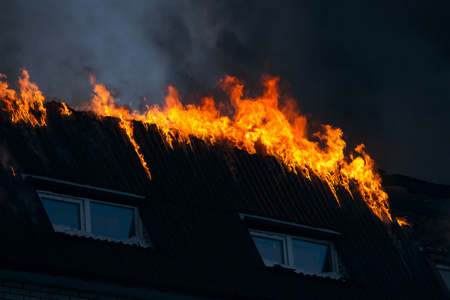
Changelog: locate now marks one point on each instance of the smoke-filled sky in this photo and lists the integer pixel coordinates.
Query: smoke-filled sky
(380, 70)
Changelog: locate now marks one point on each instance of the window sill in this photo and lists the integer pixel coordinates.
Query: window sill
(274, 265)
(136, 241)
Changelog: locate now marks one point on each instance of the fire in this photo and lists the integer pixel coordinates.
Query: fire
(260, 122)
(64, 110)
(402, 221)
(369, 183)
(103, 104)
(282, 131)
(28, 106)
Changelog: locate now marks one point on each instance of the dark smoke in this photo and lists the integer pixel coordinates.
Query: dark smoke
(380, 70)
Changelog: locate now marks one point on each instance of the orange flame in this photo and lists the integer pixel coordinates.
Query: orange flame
(369, 183)
(102, 103)
(64, 110)
(402, 221)
(29, 106)
(283, 132)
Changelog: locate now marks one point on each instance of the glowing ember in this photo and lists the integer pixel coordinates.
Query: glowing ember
(402, 221)
(29, 106)
(257, 122)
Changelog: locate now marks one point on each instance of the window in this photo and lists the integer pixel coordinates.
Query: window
(303, 248)
(305, 254)
(76, 215)
(444, 270)
(438, 260)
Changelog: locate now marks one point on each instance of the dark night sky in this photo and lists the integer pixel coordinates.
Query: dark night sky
(380, 70)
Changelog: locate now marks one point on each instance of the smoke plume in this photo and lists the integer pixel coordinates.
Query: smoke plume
(380, 71)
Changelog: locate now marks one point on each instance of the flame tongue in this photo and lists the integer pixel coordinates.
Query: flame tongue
(65, 109)
(103, 104)
(29, 106)
(369, 183)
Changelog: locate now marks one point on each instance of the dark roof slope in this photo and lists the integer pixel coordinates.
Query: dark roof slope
(425, 205)
(191, 214)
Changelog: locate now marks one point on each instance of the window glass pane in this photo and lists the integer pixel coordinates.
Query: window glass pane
(311, 257)
(270, 249)
(112, 221)
(64, 213)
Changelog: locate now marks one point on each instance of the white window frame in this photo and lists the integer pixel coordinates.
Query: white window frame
(85, 210)
(288, 251)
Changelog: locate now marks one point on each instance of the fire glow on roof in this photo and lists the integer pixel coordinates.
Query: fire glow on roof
(256, 122)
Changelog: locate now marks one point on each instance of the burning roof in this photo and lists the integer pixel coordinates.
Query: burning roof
(265, 121)
(192, 206)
